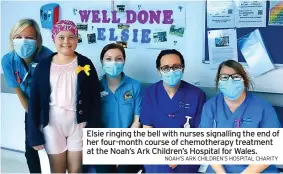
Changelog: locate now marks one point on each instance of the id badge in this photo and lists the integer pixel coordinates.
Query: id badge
(32, 68)
(103, 94)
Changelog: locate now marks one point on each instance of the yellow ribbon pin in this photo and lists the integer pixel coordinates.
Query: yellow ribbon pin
(86, 69)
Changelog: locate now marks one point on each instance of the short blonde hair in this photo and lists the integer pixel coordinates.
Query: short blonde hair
(20, 26)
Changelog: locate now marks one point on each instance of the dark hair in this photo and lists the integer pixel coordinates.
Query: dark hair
(239, 70)
(112, 46)
(166, 52)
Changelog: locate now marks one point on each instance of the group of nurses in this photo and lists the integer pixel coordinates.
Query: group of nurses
(171, 103)
(234, 107)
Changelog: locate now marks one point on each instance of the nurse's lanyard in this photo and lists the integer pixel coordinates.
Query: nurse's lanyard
(237, 121)
(18, 77)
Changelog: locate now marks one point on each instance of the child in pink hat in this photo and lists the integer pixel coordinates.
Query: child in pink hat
(74, 101)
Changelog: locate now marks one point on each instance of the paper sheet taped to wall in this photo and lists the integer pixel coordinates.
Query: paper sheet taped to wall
(255, 53)
(222, 45)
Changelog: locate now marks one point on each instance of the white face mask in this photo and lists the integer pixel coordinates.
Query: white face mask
(113, 68)
(24, 47)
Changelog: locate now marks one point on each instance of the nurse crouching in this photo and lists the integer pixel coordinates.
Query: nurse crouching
(171, 103)
(235, 108)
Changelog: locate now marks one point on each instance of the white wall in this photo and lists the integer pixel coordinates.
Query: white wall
(12, 122)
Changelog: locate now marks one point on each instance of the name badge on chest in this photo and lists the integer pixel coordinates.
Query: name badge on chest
(34, 64)
(184, 105)
(32, 67)
(103, 93)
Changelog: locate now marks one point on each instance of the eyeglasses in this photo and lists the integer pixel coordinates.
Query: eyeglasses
(225, 77)
(167, 68)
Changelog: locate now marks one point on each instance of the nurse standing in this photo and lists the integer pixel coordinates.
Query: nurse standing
(171, 103)
(18, 67)
(235, 108)
(121, 99)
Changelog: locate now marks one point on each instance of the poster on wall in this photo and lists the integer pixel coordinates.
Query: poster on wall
(222, 45)
(134, 25)
(276, 13)
(250, 13)
(220, 14)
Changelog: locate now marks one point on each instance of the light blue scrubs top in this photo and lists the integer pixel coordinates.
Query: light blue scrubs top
(15, 71)
(119, 109)
(160, 111)
(254, 112)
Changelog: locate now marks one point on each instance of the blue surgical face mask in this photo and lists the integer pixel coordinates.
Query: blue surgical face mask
(24, 47)
(113, 68)
(231, 89)
(172, 78)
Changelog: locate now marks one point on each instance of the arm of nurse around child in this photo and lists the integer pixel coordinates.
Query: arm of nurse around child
(36, 138)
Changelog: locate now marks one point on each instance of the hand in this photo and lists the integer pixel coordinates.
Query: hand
(40, 147)
(172, 166)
